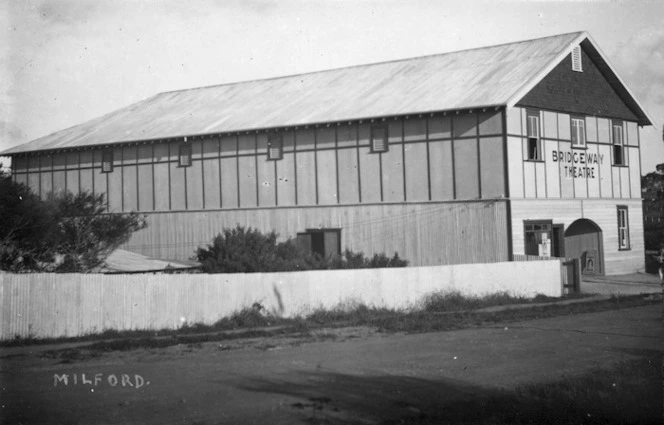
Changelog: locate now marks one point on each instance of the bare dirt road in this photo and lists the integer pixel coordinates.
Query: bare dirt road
(359, 377)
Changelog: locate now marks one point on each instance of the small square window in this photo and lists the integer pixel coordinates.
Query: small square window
(623, 228)
(618, 143)
(184, 154)
(534, 141)
(578, 132)
(275, 146)
(379, 138)
(107, 161)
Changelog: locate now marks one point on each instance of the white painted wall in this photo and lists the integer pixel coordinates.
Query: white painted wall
(550, 180)
(602, 211)
(58, 305)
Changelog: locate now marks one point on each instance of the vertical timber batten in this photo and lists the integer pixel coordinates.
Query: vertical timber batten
(336, 161)
(359, 163)
(428, 142)
(403, 158)
(479, 154)
(506, 182)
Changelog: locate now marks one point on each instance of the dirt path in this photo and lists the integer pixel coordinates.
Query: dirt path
(358, 378)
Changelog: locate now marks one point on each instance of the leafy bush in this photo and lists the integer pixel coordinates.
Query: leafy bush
(86, 234)
(246, 250)
(381, 261)
(653, 235)
(356, 260)
(26, 225)
(67, 233)
(239, 250)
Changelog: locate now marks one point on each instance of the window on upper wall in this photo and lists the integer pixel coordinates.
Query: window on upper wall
(578, 132)
(107, 161)
(379, 138)
(275, 146)
(184, 154)
(623, 228)
(577, 65)
(618, 143)
(534, 141)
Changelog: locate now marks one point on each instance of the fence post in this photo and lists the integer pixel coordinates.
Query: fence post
(577, 275)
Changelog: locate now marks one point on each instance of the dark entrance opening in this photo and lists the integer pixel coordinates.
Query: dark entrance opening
(558, 246)
(583, 240)
(544, 238)
(324, 242)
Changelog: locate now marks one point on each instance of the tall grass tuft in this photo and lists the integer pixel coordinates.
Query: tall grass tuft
(349, 313)
(455, 301)
(254, 317)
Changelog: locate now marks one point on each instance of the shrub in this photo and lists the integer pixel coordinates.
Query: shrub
(65, 233)
(356, 260)
(653, 235)
(381, 260)
(253, 317)
(239, 250)
(246, 250)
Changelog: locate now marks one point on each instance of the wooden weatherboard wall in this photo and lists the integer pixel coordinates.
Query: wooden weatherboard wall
(440, 158)
(601, 212)
(410, 199)
(425, 233)
(553, 176)
(568, 182)
(586, 93)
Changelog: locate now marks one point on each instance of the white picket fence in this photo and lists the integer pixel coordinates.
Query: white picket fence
(58, 305)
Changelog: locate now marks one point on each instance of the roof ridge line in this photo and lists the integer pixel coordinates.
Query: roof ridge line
(367, 64)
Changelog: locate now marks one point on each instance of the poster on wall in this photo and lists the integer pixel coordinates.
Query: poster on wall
(545, 246)
(590, 262)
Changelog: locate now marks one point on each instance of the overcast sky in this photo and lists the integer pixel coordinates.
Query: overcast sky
(64, 62)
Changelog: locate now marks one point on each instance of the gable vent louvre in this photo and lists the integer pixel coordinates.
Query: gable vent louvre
(576, 59)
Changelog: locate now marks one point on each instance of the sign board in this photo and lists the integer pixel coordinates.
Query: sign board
(577, 164)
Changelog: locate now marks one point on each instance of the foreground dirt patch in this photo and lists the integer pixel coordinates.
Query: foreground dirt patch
(340, 376)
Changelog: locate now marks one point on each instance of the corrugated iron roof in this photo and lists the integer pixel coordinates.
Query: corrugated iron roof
(121, 261)
(484, 77)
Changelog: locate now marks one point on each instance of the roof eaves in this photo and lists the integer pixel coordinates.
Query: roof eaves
(646, 118)
(15, 151)
(25, 147)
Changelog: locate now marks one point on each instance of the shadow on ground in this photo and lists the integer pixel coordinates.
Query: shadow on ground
(594, 398)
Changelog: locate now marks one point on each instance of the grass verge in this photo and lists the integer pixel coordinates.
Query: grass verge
(454, 301)
(437, 313)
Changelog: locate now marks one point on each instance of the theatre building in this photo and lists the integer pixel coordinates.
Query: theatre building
(474, 156)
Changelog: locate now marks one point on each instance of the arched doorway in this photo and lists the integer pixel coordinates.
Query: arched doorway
(583, 240)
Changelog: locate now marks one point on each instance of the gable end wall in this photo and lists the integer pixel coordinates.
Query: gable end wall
(586, 93)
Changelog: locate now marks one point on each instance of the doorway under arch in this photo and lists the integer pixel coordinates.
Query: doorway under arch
(583, 240)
